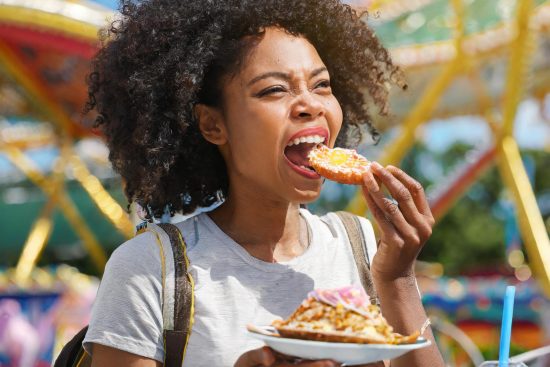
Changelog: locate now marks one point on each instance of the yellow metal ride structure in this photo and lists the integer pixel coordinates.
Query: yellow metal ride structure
(59, 30)
(74, 24)
(517, 40)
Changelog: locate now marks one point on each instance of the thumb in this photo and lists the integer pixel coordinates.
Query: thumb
(256, 357)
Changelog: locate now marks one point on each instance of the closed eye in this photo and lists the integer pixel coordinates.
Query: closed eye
(271, 90)
(323, 84)
(323, 87)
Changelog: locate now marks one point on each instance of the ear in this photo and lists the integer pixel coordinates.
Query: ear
(211, 124)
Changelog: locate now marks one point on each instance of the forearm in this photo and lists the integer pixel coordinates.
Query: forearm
(402, 307)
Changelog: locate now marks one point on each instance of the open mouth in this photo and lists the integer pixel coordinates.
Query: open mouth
(297, 151)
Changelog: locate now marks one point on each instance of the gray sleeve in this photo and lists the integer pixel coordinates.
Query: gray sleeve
(127, 313)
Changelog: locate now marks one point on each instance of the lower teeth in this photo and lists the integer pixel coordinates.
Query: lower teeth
(308, 168)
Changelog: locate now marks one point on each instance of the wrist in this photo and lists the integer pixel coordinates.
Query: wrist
(395, 288)
(398, 278)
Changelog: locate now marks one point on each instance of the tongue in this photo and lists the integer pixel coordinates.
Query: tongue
(297, 154)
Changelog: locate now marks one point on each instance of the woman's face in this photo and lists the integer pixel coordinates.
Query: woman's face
(276, 109)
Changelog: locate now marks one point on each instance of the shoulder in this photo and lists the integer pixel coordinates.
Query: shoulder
(150, 242)
(142, 246)
(148, 254)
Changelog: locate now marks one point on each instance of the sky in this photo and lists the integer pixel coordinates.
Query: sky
(113, 4)
(532, 130)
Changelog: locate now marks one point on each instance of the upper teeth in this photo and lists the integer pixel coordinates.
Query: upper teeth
(307, 139)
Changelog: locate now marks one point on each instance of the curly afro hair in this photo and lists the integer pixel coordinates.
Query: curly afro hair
(162, 57)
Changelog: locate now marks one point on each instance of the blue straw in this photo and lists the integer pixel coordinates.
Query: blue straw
(506, 328)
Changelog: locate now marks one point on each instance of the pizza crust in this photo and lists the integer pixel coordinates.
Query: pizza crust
(317, 320)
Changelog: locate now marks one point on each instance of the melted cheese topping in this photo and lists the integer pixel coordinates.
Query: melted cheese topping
(338, 157)
(341, 165)
(313, 315)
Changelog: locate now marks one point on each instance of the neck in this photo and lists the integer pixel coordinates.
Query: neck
(269, 230)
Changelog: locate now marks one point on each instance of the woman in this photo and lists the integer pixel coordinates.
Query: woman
(202, 100)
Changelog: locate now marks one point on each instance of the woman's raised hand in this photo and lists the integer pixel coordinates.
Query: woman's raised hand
(266, 357)
(405, 222)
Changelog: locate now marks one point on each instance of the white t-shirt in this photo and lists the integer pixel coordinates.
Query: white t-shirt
(232, 289)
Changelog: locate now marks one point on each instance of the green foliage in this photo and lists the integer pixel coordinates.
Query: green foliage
(471, 235)
(542, 162)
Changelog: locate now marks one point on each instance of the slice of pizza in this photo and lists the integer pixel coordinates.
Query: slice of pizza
(342, 315)
(341, 165)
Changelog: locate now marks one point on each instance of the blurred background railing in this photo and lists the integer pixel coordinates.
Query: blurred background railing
(473, 127)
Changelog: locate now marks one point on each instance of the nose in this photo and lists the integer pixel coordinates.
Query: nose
(307, 107)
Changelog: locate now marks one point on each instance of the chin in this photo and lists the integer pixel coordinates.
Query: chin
(307, 196)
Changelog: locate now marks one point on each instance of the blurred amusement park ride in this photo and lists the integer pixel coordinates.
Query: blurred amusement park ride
(460, 57)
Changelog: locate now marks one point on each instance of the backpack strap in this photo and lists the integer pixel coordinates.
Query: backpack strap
(360, 254)
(177, 315)
(175, 341)
(73, 354)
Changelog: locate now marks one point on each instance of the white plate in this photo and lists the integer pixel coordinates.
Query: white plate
(346, 353)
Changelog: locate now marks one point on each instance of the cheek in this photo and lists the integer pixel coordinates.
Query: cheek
(254, 136)
(335, 117)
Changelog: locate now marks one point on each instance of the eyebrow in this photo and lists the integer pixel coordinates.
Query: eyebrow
(317, 71)
(271, 74)
(283, 76)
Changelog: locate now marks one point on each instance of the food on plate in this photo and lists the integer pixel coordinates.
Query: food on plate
(342, 315)
(341, 165)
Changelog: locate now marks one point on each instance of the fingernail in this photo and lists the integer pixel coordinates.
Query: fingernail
(377, 165)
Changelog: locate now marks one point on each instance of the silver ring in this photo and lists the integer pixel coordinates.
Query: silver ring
(393, 201)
